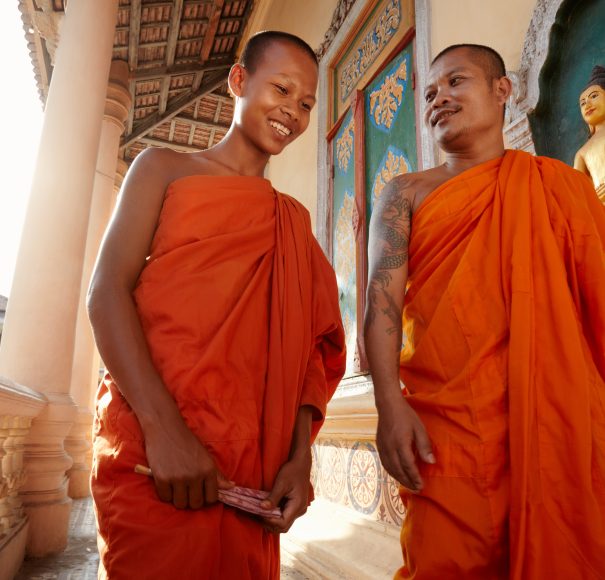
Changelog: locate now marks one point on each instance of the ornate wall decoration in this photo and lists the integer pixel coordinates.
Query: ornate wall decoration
(394, 163)
(344, 145)
(350, 328)
(395, 511)
(385, 102)
(340, 13)
(364, 472)
(364, 53)
(315, 467)
(345, 268)
(345, 240)
(333, 472)
(526, 80)
(349, 473)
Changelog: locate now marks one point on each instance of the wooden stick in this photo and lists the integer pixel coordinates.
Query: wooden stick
(138, 468)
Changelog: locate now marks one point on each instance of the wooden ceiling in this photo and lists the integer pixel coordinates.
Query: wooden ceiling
(179, 53)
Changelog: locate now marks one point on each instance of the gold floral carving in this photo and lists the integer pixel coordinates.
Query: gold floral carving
(344, 146)
(385, 100)
(393, 165)
(350, 329)
(345, 242)
(365, 53)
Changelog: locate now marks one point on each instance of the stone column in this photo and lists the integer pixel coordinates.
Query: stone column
(120, 174)
(85, 370)
(39, 333)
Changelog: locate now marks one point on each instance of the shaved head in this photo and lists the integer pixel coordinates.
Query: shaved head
(257, 46)
(484, 56)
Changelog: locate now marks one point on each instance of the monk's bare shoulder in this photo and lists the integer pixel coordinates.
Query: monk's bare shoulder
(151, 173)
(156, 168)
(415, 187)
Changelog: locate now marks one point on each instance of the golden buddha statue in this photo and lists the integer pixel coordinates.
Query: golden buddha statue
(590, 159)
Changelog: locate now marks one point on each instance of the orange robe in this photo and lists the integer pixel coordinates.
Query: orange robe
(505, 314)
(239, 307)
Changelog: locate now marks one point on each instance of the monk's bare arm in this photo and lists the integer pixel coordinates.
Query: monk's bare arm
(388, 268)
(111, 308)
(399, 428)
(180, 464)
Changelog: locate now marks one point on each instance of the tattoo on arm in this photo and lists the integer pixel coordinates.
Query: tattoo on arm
(391, 237)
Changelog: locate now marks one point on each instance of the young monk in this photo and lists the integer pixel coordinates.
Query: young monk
(217, 316)
(499, 439)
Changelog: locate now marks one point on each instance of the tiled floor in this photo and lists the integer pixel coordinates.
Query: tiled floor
(80, 560)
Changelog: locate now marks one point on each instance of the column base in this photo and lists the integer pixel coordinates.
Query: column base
(79, 483)
(12, 550)
(49, 528)
(78, 446)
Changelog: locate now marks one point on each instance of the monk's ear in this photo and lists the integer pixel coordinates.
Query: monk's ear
(237, 79)
(503, 88)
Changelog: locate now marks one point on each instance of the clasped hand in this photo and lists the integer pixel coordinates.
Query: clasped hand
(290, 492)
(184, 472)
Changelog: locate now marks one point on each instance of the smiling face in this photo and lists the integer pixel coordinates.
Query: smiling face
(461, 104)
(592, 105)
(274, 102)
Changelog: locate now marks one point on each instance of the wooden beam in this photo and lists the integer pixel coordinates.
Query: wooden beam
(163, 100)
(133, 35)
(211, 82)
(130, 122)
(144, 25)
(215, 20)
(203, 124)
(197, 80)
(173, 35)
(158, 4)
(191, 134)
(171, 132)
(171, 145)
(211, 138)
(182, 69)
(217, 116)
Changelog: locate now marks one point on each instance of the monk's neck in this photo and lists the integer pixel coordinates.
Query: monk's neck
(238, 157)
(457, 162)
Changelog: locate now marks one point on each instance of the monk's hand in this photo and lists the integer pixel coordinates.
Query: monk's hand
(401, 436)
(290, 492)
(184, 472)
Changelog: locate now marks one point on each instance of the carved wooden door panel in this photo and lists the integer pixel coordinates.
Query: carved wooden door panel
(372, 138)
(343, 238)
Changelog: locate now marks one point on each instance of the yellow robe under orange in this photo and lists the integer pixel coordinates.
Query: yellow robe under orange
(239, 307)
(505, 314)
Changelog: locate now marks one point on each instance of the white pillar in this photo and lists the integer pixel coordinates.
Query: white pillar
(85, 370)
(39, 333)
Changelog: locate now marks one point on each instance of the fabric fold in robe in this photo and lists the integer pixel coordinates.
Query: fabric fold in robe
(505, 365)
(240, 311)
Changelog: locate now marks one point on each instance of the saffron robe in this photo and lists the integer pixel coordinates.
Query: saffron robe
(505, 318)
(240, 311)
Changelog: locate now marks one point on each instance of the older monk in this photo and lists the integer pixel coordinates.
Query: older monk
(499, 436)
